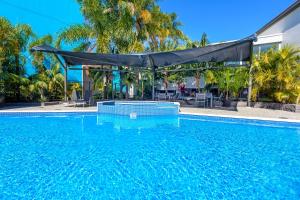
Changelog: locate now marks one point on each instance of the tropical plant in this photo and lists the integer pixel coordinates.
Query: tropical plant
(229, 80)
(48, 80)
(128, 78)
(123, 27)
(197, 68)
(40, 60)
(39, 86)
(14, 41)
(55, 82)
(276, 74)
(99, 81)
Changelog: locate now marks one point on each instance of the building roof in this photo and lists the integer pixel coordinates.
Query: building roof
(286, 12)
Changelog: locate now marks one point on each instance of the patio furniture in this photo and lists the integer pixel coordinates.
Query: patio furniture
(188, 100)
(174, 96)
(201, 98)
(76, 100)
(162, 96)
(209, 99)
(180, 96)
(170, 95)
(218, 100)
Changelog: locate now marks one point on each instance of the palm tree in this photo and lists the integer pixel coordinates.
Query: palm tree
(12, 60)
(277, 74)
(202, 43)
(55, 81)
(128, 78)
(204, 40)
(39, 85)
(48, 81)
(229, 80)
(122, 26)
(39, 58)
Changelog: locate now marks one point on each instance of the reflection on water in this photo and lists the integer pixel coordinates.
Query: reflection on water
(95, 156)
(141, 122)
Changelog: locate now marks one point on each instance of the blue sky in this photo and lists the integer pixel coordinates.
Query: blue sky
(224, 19)
(220, 19)
(44, 16)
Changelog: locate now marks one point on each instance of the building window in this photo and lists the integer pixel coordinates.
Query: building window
(261, 48)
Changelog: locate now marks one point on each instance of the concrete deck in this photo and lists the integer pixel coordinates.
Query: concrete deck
(243, 112)
(50, 108)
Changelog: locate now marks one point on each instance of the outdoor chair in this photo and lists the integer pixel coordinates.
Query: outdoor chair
(218, 100)
(162, 96)
(201, 99)
(76, 101)
(177, 96)
(170, 95)
(174, 96)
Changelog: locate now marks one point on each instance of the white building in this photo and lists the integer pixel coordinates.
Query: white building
(283, 29)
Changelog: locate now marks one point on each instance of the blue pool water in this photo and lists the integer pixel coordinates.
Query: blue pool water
(90, 156)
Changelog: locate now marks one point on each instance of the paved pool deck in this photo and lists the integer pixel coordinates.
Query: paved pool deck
(246, 112)
(242, 112)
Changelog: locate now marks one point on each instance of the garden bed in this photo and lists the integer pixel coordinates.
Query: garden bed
(273, 106)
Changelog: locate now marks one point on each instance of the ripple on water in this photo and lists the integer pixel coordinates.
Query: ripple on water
(88, 157)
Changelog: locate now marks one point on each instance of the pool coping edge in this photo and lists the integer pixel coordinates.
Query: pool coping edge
(242, 117)
(183, 113)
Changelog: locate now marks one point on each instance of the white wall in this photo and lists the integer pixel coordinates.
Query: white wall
(292, 36)
(284, 24)
(285, 31)
(268, 39)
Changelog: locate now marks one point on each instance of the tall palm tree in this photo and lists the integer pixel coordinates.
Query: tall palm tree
(204, 40)
(48, 81)
(202, 43)
(15, 39)
(39, 58)
(125, 26)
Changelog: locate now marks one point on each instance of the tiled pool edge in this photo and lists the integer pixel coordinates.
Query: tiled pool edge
(138, 108)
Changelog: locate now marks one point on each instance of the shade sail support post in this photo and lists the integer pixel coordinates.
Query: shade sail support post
(250, 77)
(153, 77)
(65, 66)
(153, 84)
(65, 82)
(249, 87)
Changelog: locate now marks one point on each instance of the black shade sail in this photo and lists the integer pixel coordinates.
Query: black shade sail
(222, 52)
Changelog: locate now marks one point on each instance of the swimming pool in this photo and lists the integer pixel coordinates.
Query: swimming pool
(96, 156)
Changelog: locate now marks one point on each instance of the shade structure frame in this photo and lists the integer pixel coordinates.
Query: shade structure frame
(234, 51)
